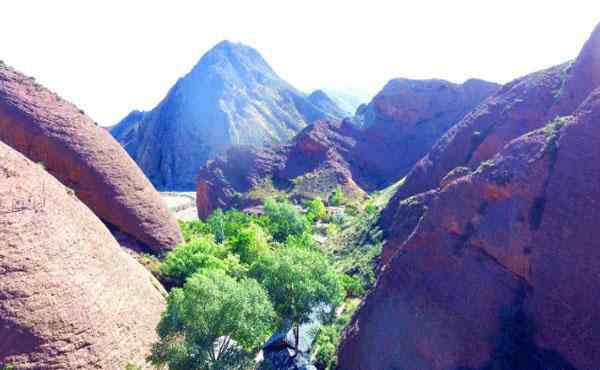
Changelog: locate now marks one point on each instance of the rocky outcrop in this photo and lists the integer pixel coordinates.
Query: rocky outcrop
(407, 117)
(519, 107)
(70, 297)
(331, 153)
(493, 272)
(323, 101)
(312, 165)
(85, 158)
(231, 97)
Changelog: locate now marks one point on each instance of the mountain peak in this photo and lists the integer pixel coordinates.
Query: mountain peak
(234, 57)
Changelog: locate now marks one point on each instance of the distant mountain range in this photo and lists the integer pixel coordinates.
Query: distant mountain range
(232, 96)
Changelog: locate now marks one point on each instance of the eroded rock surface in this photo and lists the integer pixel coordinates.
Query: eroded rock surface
(400, 126)
(85, 158)
(70, 297)
(519, 107)
(496, 274)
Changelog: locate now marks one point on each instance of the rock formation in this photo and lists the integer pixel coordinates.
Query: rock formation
(519, 107)
(323, 101)
(232, 96)
(401, 125)
(85, 158)
(70, 297)
(495, 272)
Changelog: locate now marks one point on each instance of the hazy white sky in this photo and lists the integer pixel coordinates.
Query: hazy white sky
(110, 57)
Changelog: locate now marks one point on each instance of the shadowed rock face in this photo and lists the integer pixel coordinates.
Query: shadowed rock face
(496, 274)
(70, 297)
(519, 107)
(407, 117)
(402, 123)
(493, 274)
(84, 157)
(231, 97)
(320, 150)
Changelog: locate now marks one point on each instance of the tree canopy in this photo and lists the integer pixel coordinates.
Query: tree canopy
(213, 322)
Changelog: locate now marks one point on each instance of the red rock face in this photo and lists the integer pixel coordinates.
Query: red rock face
(519, 107)
(84, 157)
(402, 123)
(70, 297)
(494, 272)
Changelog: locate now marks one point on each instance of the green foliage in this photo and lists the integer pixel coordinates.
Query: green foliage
(192, 229)
(327, 340)
(353, 286)
(7, 367)
(355, 243)
(249, 244)
(186, 259)
(371, 208)
(304, 240)
(298, 280)
(284, 220)
(315, 210)
(325, 346)
(552, 133)
(214, 322)
(224, 225)
(216, 225)
(337, 198)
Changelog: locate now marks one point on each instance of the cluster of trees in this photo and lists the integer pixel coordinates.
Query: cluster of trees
(236, 279)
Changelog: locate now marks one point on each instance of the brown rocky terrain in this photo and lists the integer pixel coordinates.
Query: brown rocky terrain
(491, 269)
(70, 297)
(398, 127)
(85, 158)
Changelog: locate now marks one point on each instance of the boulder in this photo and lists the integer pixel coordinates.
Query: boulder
(70, 297)
(85, 158)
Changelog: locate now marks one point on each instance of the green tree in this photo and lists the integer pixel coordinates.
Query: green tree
(193, 229)
(250, 243)
(283, 220)
(224, 225)
(214, 322)
(186, 259)
(216, 223)
(298, 281)
(315, 210)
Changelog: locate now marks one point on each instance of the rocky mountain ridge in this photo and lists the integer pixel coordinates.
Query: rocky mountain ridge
(231, 97)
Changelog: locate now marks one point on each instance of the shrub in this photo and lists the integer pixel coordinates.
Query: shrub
(193, 229)
(337, 198)
(353, 286)
(325, 347)
(315, 210)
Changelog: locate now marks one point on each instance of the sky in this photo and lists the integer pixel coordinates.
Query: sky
(110, 57)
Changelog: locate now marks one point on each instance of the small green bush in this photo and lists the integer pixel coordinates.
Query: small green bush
(353, 286)
(315, 210)
(337, 198)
